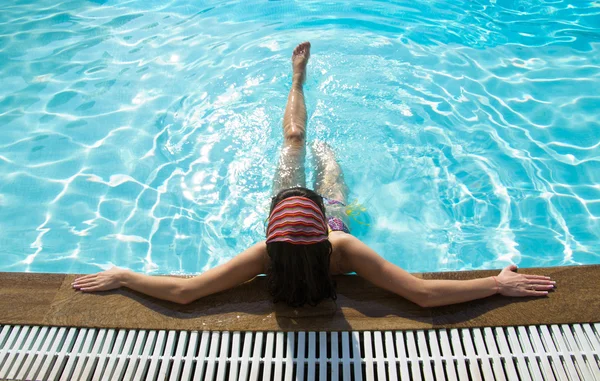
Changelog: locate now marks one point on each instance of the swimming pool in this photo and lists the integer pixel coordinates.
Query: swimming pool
(145, 134)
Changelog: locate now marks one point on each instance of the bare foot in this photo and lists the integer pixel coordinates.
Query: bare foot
(300, 59)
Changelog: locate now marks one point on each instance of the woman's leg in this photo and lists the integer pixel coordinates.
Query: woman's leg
(290, 172)
(329, 179)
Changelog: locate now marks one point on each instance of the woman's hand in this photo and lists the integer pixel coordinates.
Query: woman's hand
(512, 284)
(103, 281)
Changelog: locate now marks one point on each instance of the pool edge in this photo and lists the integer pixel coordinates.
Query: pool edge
(48, 299)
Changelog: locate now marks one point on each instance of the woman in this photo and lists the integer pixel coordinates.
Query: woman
(308, 240)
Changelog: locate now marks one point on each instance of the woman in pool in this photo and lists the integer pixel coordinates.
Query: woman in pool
(308, 240)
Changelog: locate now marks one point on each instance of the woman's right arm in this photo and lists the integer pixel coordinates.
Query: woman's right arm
(430, 293)
(240, 269)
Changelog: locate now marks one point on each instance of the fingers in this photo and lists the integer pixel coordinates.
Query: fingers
(92, 276)
(541, 287)
(539, 284)
(94, 282)
(86, 287)
(537, 277)
(535, 293)
(93, 287)
(537, 289)
(87, 283)
(84, 284)
(84, 278)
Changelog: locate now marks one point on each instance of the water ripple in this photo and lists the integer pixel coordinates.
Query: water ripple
(145, 134)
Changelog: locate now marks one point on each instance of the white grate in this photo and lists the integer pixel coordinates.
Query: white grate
(556, 352)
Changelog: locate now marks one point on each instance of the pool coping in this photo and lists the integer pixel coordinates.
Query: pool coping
(48, 299)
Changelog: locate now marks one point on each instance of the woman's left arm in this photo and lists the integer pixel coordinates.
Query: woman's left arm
(430, 293)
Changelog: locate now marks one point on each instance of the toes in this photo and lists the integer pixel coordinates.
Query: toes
(302, 48)
(305, 46)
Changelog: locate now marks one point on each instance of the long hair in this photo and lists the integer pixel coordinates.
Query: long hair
(299, 274)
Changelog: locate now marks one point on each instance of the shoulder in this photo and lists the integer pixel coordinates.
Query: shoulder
(341, 242)
(254, 258)
(355, 254)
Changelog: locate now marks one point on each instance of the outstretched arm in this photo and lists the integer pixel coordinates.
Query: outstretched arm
(430, 293)
(242, 268)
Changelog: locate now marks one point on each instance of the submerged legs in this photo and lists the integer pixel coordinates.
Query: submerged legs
(290, 171)
(329, 180)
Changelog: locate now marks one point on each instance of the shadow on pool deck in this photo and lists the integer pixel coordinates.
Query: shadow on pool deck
(48, 299)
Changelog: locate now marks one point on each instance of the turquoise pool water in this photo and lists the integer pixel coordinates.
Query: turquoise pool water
(145, 134)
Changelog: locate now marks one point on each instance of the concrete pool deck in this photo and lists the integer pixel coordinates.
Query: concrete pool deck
(48, 299)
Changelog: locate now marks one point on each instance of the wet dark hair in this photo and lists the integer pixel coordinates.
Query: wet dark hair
(299, 274)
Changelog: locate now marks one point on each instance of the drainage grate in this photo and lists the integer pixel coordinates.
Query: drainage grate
(555, 352)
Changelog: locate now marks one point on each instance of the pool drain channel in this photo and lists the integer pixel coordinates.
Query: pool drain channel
(543, 352)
